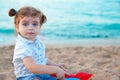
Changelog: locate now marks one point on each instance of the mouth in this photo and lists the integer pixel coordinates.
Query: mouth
(30, 33)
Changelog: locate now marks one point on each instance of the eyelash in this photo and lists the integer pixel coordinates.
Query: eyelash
(34, 24)
(25, 24)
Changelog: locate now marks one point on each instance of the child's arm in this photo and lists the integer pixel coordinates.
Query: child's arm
(49, 62)
(63, 66)
(43, 69)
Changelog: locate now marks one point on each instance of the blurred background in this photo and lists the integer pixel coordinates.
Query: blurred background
(71, 20)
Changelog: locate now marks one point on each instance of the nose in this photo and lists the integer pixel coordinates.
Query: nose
(30, 27)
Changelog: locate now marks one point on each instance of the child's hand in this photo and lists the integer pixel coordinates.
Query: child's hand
(60, 74)
(64, 67)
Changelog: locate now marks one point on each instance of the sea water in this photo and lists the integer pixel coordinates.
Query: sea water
(67, 20)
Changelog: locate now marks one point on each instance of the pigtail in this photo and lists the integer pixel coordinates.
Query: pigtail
(12, 12)
(44, 19)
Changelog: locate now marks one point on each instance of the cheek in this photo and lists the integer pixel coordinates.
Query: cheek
(21, 30)
(38, 30)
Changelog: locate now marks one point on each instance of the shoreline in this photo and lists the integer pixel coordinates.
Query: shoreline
(75, 43)
(83, 42)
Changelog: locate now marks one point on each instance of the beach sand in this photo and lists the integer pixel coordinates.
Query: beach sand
(102, 61)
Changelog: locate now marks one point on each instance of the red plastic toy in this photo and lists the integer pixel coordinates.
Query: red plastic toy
(80, 75)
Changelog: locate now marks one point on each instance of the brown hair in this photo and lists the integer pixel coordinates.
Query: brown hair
(27, 11)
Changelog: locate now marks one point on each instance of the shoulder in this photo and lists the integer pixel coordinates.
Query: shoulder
(40, 42)
(22, 50)
(19, 44)
(20, 47)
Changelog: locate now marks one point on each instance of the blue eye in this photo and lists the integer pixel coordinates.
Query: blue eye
(25, 24)
(35, 24)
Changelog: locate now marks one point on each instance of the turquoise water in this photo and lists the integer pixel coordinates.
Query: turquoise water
(67, 20)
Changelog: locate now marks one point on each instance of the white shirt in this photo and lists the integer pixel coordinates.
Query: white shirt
(24, 48)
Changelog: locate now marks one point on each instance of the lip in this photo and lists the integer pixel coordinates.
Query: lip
(30, 33)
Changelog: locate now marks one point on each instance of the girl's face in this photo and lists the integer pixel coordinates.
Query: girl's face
(29, 27)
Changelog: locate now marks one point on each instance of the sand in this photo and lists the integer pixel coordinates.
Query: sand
(102, 61)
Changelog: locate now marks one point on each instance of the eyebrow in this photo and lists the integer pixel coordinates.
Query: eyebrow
(35, 21)
(25, 21)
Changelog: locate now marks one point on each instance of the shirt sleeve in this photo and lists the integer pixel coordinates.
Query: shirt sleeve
(25, 53)
(21, 51)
